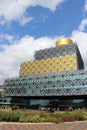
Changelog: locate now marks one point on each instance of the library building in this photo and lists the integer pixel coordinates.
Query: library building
(55, 79)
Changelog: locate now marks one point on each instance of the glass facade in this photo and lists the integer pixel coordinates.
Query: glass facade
(50, 103)
(56, 103)
(52, 84)
(5, 101)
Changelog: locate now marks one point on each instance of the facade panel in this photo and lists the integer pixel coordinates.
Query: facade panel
(53, 84)
(55, 51)
(61, 63)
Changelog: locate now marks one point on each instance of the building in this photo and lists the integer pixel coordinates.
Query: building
(56, 78)
(1, 90)
(4, 101)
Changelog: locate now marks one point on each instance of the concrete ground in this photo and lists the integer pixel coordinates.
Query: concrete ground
(44, 126)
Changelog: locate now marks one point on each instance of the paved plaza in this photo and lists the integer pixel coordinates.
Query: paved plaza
(44, 126)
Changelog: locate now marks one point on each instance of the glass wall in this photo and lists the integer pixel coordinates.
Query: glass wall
(52, 84)
(62, 104)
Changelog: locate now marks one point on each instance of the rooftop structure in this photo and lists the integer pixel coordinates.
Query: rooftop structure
(64, 57)
(64, 41)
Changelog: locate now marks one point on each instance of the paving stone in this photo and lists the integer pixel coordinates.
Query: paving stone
(44, 126)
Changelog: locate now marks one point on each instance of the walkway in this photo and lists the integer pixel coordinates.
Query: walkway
(44, 126)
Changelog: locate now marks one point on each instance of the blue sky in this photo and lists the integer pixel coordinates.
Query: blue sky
(29, 25)
(46, 22)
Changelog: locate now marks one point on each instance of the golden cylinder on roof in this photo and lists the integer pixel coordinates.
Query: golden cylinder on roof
(64, 41)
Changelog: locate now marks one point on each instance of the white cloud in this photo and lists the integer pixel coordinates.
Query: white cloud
(83, 25)
(9, 38)
(85, 6)
(14, 55)
(16, 9)
(25, 20)
(47, 3)
(81, 39)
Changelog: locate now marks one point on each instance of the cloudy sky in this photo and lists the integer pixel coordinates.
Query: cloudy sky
(29, 25)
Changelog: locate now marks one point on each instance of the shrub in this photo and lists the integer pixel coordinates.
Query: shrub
(39, 116)
(9, 116)
(58, 114)
(79, 115)
(15, 117)
(53, 119)
(29, 118)
(68, 118)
